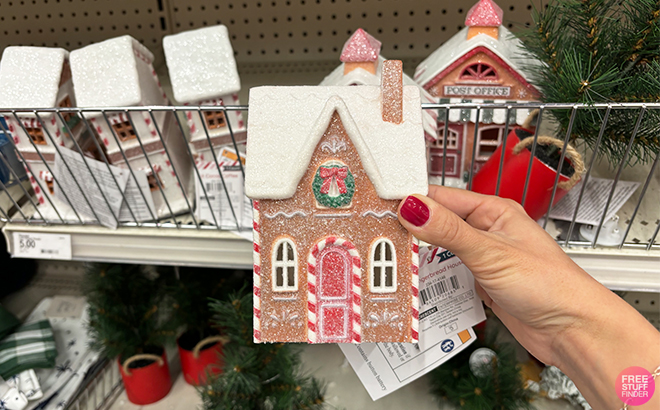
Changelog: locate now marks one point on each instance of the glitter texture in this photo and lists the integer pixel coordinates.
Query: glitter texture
(30, 76)
(287, 123)
(392, 86)
(361, 47)
(333, 264)
(485, 14)
(109, 74)
(201, 64)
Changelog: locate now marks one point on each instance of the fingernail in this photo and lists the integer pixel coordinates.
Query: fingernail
(414, 211)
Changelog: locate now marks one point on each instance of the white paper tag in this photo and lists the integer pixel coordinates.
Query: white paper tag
(240, 208)
(42, 245)
(448, 301)
(593, 201)
(136, 200)
(81, 186)
(386, 367)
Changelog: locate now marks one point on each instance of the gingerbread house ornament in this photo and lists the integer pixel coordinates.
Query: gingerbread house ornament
(362, 65)
(327, 168)
(203, 72)
(119, 73)
(39, 77)
(482, 63)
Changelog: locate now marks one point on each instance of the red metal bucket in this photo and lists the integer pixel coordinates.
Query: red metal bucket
(198, 363)
(148, 384)
(514, 172)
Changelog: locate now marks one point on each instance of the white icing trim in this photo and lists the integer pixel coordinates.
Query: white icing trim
(380, 215)
(280, 213)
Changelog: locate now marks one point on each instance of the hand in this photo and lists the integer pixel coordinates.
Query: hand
(520, 272)
(557, 311)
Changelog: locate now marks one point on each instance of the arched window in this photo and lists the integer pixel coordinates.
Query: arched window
(285, 266)
(478, 72)
(452, 138)
(383, 267)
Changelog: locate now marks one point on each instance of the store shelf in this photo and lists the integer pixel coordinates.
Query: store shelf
(157, 246)
(627, 270)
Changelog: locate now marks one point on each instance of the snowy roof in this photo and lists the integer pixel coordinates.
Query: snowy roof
(286, 124)
(360, 47)
(507, 47)
(485, 14)
(360, 76)
(201, 64)
(30, 76)
(105, 74)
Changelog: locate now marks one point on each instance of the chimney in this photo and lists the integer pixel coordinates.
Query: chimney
(391, 85)
(485, 17)
(360, 51)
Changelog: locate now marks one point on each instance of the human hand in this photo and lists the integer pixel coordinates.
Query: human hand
(520, 271)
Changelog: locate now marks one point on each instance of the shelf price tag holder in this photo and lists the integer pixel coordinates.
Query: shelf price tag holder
(42, 245)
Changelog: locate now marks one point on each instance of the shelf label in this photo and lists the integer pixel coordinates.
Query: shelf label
(42, 246)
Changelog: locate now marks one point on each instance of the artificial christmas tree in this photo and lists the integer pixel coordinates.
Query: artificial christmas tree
(257, 376)
(130, 319)
(601, 51)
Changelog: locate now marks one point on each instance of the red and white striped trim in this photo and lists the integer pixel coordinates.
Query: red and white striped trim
(256, 277)
(414, 256)
(31, 123)
(356, 288)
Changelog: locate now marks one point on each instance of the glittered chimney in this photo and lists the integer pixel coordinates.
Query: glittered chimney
(360, 51)
(484, 17)
(392, 89)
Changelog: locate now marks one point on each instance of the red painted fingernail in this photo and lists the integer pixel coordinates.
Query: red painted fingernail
(415, 211)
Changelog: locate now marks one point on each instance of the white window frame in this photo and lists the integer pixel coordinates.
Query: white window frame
(285, 264)
(452, 138)
(382, 264)
(488, 143)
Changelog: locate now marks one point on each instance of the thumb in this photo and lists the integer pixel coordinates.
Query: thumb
(431, 222)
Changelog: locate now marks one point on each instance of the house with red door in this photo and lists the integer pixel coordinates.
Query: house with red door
(327, 168)
(482, 63)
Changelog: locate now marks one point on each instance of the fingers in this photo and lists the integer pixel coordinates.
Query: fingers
(433, 223)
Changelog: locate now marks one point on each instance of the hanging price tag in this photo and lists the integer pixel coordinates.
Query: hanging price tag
(42, 246)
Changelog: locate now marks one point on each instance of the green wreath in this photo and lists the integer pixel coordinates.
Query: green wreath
(333, 201)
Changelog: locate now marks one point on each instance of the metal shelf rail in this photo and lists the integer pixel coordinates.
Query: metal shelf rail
(183, 239)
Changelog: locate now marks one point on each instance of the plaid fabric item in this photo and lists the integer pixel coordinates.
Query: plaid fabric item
(8, 322)
(31, 346)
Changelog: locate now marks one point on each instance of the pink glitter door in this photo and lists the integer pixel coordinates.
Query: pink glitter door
(333, 295)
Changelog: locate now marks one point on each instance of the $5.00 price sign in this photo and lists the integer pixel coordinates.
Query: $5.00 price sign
(42, 245)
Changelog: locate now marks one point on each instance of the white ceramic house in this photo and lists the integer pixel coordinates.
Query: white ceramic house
(484, 62)
(362, 65)
(203, 72)
(38, 77)
(119, 73)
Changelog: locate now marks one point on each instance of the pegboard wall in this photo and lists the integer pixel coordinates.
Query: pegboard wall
(264, 31)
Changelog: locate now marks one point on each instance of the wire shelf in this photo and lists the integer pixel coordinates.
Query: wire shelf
(175, 138)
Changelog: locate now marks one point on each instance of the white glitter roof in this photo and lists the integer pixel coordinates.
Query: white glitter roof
(363, 77)
(105, 74)
(286, 124)
(30, 76)
(201, 64)
(507, 47)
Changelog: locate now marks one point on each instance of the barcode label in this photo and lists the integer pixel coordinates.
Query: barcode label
(213, 186)
(439, 289)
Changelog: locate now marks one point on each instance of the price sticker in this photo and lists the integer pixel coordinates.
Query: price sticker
(42, 246)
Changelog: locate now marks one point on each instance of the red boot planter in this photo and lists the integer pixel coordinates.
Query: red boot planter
(542, 177)
(202, 360)
(148, 384)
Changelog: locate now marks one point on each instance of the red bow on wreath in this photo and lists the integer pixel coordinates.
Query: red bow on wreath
(339, 173)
